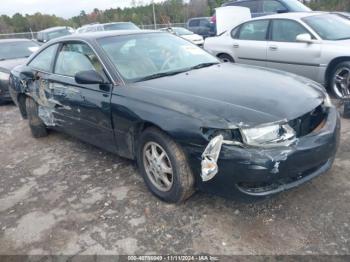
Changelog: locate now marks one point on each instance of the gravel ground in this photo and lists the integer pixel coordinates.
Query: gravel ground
(61, 196)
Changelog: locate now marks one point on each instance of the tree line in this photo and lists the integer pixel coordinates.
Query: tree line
(169, 11)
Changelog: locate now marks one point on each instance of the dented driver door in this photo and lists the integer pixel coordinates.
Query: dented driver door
(81, 110)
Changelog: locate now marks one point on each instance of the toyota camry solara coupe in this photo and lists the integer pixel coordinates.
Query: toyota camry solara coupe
(190, 122)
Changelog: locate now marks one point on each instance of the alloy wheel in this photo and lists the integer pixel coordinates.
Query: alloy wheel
(341, 86)
(158, 166)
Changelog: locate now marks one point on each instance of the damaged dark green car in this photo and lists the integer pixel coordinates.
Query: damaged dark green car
(190, 122)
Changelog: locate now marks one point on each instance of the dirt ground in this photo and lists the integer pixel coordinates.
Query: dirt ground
(61, 196)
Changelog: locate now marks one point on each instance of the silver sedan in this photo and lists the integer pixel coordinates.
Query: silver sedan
(314, 44)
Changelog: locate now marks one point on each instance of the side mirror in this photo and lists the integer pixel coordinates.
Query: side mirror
(282, 11)
(28, 74)
(90, 77)
(304, 38)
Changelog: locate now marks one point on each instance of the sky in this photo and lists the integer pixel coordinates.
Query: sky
(62, 8)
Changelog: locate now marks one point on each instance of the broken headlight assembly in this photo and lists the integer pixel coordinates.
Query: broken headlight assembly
(272, 135)
(211, 153)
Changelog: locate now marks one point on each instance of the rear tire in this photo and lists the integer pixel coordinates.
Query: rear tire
(340, 80)
(225, 58)
(172, 168)
(36, 125)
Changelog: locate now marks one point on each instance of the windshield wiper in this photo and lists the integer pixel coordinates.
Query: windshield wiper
(159, 75)
(202, 65)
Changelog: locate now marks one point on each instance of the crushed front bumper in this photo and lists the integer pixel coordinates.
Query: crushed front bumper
(262, 171)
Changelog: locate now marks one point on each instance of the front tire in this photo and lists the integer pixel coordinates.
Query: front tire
(36, 125)
(225, 58)
(340, 80)
(164, 167)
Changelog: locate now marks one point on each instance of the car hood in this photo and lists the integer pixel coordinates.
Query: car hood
(8, 65)
(228, 95)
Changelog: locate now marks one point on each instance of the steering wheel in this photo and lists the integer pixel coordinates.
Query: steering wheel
(167, 62)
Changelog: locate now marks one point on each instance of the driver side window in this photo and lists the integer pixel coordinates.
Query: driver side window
(76, 57)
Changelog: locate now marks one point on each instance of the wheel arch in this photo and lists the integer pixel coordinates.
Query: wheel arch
(141, 127)
(223, 53)
(331, 66)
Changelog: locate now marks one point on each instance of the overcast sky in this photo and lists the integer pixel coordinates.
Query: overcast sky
(62, 8)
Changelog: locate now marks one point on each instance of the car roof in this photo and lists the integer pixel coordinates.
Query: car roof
(102, 34)
(203, 17)
(10, 40)
(112, 23)
(176, 27)
(53, 29)
(291, 15)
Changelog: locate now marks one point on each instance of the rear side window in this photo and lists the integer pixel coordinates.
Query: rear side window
(256, 30)
(272, 6)
(194, 23)
(44, 59)
(76, 57)
(234, 32)
(204, 23)
(252, 5)
(286, 30)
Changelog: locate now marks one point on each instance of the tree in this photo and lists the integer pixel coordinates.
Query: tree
(19, 23)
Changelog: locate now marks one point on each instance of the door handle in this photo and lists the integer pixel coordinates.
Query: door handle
(236, 45)
(273, 48)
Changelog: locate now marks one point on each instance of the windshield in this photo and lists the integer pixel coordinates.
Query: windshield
(182, 31)
(329, 26)
(141, 56)
(297, 6)
(58, 33)
(13, 50)
(120, 26)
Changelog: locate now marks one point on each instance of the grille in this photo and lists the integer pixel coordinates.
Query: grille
(307, 123)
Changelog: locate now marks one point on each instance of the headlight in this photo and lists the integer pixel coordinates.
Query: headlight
(269, 136)
(4, 76)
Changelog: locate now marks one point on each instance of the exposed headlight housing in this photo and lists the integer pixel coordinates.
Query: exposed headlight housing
(210, 157)
(273, 135)
(4, 76)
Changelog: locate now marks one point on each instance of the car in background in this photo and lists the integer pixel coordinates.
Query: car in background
(53, 32)
(306, 44)
(107, 27)
(185, 34)
(268, 7)
(190, 122)
(343, 14)
(13, 52)
(200, 26)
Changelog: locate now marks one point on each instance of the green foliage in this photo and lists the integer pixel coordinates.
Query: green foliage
(330, 5)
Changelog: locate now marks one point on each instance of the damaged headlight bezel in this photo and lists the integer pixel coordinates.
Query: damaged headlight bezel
(285, 135)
